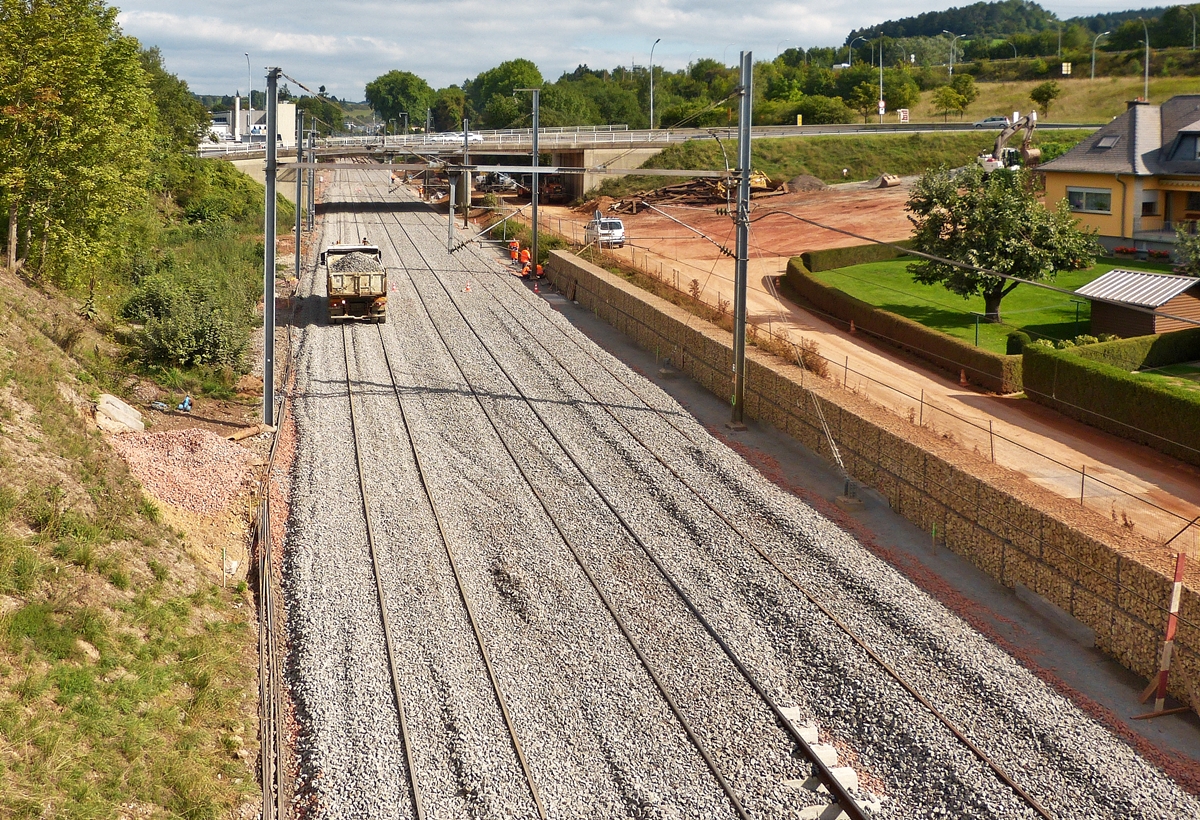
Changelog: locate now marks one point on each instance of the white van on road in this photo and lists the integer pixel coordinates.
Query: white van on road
(605, 231)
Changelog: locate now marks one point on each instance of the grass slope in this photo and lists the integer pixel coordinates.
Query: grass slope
(864, 156)
(1040, 313)
(1082, 100)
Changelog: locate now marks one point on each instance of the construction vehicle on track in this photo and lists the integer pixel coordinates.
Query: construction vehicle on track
(1003, 158)
(355, 283)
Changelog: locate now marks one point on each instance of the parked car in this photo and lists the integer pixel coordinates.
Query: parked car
(605, 231)
(992, 122)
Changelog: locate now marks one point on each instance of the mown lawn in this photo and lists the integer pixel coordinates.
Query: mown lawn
(1038, 312)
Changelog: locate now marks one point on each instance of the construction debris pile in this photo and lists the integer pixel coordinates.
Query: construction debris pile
(700, 191)
(195, 469)
(355, 263)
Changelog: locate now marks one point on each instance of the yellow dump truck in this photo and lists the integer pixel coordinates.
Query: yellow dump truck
(356, 283)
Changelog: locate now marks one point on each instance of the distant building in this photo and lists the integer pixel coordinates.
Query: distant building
(241, 125)
(1136, 178)
(1174, 295)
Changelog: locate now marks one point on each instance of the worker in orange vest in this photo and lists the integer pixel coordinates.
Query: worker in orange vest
(514, 247)
(525, 270)
(525, 257)
(539, 274)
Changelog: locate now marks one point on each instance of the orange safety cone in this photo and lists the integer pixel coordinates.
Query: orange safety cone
(535, 288)
(467, 289)
(962, 377)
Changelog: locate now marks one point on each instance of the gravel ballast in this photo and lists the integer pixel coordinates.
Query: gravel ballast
(599, 738)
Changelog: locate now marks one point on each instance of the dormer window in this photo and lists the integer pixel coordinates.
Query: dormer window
(1186, 148)
(1108, 141)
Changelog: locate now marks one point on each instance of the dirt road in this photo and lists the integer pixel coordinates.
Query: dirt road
(1152, 494)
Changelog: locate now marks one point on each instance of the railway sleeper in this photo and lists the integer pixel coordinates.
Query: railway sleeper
(845, 775)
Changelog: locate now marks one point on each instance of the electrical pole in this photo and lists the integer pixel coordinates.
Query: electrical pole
(312, 176)
(269, 254)
(249, 101)
(656, 42)
(1146, 75)
(537, 92)
(299, 185)
(737, 422)
(881, 103)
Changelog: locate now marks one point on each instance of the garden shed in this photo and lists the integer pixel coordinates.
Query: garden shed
(1136, 290)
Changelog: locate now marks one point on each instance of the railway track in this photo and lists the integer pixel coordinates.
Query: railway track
(770, 560)
(843, 797)
(495, 388)
(379, 569)
(848, 804)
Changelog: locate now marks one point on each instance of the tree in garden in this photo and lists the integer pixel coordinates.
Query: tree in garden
(946, 99)
(1045, 94)
(399, 92)
(1187, 248)
(994, 222)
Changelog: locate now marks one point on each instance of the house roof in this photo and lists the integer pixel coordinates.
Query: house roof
(1137, 287)
(1145, 140)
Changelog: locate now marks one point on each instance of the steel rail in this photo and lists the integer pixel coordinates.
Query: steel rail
(699, 745)
(844, 799)
(414, 788)
(770, 559)
(846, 802)
(462, 591)
(1000, 773)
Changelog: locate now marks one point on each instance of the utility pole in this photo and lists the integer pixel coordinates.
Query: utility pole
(656, 42)
(537, 94)
(299, 185)
(269, 253)
(466, 174)
(737, 422)
(312, 176)
(1146, 71)
(249, 101)
(881, 102)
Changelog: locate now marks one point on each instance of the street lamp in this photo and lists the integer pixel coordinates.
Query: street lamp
(1189, 11)
(1094, 41)
(1146, 71)
(723, 52)
(952, 43)
(850, 50)
(1014, 48)
(249, 100)
(656, 42)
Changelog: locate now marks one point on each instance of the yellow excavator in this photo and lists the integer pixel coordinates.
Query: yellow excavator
(1003, 158)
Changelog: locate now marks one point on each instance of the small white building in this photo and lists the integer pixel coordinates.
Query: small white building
(244, 125)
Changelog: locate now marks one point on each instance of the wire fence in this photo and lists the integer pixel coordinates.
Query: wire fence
(1095, 486)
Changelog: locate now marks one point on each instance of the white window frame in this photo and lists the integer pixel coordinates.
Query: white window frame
(1085, 192)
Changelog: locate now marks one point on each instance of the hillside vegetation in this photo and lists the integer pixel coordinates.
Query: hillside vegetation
(126, 671)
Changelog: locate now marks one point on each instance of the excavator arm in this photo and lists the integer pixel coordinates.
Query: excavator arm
(1024, 124)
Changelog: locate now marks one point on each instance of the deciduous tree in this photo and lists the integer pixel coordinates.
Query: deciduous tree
(1045, 94)
(399, 92)
(994, 222)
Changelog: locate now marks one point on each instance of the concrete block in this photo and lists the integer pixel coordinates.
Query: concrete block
(115, 416)
(825, 753)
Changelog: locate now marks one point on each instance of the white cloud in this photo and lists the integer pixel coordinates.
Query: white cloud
(344, 45)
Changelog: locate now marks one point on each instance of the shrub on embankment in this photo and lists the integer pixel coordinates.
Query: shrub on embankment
(992, 371)
(1095, 385)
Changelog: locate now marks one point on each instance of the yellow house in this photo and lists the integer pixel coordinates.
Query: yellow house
(1136, 178)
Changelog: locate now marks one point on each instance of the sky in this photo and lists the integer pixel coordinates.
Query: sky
(344, 45)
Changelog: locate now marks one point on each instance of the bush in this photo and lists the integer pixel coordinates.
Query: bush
(830, 258)
(1001, 374)
(186, 324)
(1134, 406)
(1016, 342)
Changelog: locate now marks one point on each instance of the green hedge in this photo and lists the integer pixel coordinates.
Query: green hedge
(992, 371)
(1079, 383)
(830, 258)
(1143, 352)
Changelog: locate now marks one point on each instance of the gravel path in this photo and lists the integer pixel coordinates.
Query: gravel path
(600, 740)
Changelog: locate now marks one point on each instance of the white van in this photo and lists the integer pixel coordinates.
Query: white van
(605, 231)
